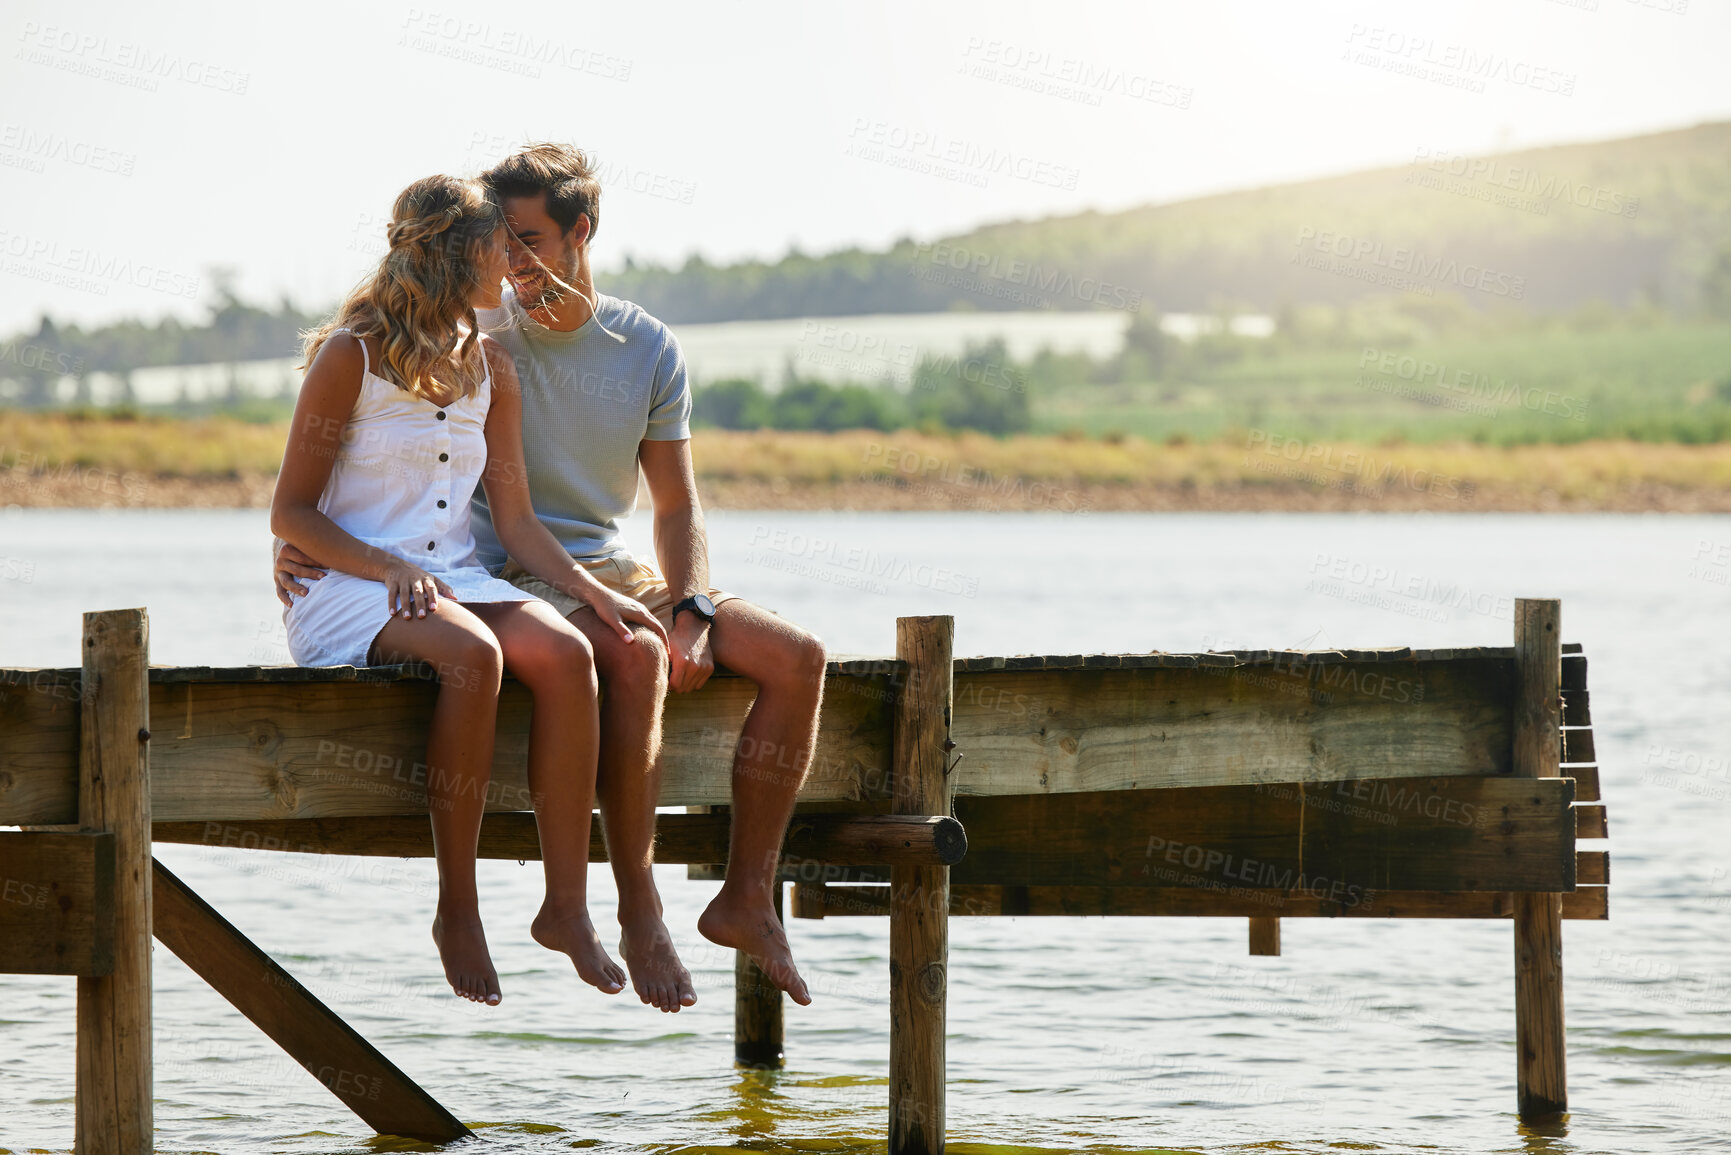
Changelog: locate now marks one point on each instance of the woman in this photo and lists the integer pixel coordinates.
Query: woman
(405, 407)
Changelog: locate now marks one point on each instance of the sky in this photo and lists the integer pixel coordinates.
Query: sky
(142, 147)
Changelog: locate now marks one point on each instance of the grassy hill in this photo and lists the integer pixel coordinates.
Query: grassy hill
(1644, 219)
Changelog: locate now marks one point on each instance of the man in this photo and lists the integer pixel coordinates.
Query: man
(605, 395)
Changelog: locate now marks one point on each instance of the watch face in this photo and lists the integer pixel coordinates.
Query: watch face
(704, 605)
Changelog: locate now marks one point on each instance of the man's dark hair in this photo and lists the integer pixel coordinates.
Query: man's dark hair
(564, 174)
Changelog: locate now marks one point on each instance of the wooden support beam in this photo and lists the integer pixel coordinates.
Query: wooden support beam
(972, 901)
(57, 904)
(114, 1080)
(1442, 834)
(1279, 720)
(351, 1068)
(919, 895)
(845, 839)
(1540, 1064)
(1590, 822)
(1264, 935)
(264, 744)
(757, 1011)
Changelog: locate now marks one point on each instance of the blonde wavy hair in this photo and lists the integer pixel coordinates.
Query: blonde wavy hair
(413, 302)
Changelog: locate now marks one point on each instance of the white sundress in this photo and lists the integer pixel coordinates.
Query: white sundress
(402, 481)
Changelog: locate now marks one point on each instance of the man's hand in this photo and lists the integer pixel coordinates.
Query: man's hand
(688, 653)
(291, 563)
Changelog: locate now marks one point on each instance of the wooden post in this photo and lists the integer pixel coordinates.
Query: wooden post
(757, 1025)
(920, 895)
(1264, 935)
(1541, 1067)
(114, 1083)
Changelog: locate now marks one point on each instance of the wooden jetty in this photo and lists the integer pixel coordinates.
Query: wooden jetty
(1261, 785)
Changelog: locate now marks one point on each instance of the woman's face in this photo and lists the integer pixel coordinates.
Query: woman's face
(491, 264)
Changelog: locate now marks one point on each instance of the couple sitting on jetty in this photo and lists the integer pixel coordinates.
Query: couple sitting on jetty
(433, 377)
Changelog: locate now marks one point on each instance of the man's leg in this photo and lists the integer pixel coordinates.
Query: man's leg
(634, 688)
(775, 748)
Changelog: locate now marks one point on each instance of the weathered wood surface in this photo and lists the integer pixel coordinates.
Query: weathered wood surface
(849, 839)
(919, 904)
(318, 1039)
(115, 1112)
(259, 743)
(1590, 822)
(1375, 834)
(274, 749)
(758, 1028)
(1051, 731)
(1592, 868)
(1140, 901)
(1541, 709)
(57, 904)
(1586, 782)
(1264, 935)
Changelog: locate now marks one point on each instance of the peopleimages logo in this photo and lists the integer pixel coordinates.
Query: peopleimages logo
(1363, 251)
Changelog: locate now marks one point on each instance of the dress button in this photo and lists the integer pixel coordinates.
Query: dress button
(444, 457)
(441, 415)
(429, 545)
(441, 503)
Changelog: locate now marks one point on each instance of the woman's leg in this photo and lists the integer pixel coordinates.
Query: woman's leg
(551, 657)
(459, 761)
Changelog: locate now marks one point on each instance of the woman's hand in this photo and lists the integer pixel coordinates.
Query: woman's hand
(411, 588)
(619, 613)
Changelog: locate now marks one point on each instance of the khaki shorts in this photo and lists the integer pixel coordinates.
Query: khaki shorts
(623, 574)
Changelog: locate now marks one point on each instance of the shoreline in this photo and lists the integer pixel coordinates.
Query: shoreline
(103, 489)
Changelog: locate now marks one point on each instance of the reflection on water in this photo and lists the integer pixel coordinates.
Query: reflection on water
(1100, 1034)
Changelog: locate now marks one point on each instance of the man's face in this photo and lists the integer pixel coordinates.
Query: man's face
(538, 246)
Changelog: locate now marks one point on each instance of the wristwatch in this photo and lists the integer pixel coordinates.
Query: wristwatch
(698, 604)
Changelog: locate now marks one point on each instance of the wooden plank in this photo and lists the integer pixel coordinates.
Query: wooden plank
(1573, 672)
(1587, 902)
(1576, 708)
(1592, 868)
(264, 749)
(849, 839)
(241, 751)
(39, 712)
(1586, 782)
(1049, 732)
(757, 1011)
(1373, 834)
(1264, 935)
(57, 904)
(332, 1052)
(919, 905)
(1159, 660)
(1541, 708)
(1590, 822)
(1578, 745)
(114, 1075)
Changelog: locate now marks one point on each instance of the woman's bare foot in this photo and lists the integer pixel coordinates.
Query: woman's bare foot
(463, 950)
(748, 923)
(660, 979)
(568, 930)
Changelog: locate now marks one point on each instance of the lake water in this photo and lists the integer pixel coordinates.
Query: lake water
(1102, 1035)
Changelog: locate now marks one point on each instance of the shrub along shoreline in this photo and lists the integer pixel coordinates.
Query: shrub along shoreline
(59, 461)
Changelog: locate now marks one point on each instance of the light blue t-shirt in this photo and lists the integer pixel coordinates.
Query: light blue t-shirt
(589, 397)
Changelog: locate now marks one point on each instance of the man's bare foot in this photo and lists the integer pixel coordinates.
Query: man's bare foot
(749, 924)
(463, 950)
(568, 930)
(656, 972)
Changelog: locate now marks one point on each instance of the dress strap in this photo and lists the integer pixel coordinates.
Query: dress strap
(366, 361)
